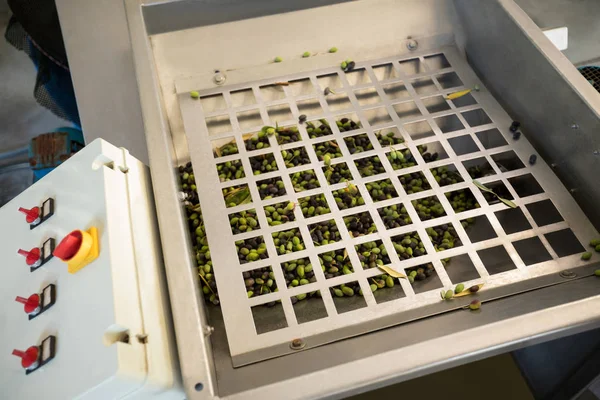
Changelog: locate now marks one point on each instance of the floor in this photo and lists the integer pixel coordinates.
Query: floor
(495, 378)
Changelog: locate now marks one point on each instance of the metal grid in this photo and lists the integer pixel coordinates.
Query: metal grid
(592, 74)
(229, 115)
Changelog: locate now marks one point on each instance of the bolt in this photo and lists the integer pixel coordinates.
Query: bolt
(297, 344)
(208, 330)
(412, 44)
(219, 78)
(574, 126)
(182, 196)
(567, 274)
(596, 152)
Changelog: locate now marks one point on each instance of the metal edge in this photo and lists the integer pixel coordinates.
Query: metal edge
(563, 109)
(405, 352)
(189, 316)
(194, 13)
(416, 314)
(553, 55)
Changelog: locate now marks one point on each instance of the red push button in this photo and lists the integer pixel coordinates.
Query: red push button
(32, 216)
(29, 357)
(33, 257)
(31, 305)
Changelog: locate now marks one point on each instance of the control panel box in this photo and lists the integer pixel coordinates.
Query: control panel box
(84, 301)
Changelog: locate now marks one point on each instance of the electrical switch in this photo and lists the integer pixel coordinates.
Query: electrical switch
(33, 257)
(31, 305)
(37, 356)
(36, 215)
(38, 256)
(30, 358)
(78, 249)
(32, 215)
(36, 304)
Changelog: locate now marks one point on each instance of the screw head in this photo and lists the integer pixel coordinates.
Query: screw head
(567, 274)
(596, 152)
(412, 44)
(208, 330)
(219, 78)
(574, 126)
(297, 344)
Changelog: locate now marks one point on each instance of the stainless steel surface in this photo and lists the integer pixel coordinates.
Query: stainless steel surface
(186, 14)
(332, 369)
(195, 355)
(408, 351)
(455, 128)
(539, 87)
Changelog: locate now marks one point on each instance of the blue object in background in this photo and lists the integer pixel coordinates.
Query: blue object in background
(49, 150)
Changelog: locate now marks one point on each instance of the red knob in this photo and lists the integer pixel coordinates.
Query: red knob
(29, 357)
(32, 257)
(31, 304)
(31, 215)
(69, 246)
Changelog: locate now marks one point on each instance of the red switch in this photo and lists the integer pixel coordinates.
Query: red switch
(33, 257)
(31, 305)
(29, 357)
(32, 216)
(69, 246)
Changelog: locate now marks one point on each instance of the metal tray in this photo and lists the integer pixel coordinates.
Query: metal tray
(177, 47)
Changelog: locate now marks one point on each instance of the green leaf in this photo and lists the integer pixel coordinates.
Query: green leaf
(239, 196)
(484, 188)
(507, 202)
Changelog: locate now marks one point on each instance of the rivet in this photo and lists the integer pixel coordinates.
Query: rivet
(297, 344)
(412, 44)
(567, 274)
(219, 78)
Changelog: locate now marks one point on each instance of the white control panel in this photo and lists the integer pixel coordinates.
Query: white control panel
(84, 302)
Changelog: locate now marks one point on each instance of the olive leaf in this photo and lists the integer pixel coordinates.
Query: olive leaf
(392, 272)
(482, 187)
(468, 292)
(486, 189)
(324, 121)
(206, 283)
(195, 208)
(239, 196)
(508, 202)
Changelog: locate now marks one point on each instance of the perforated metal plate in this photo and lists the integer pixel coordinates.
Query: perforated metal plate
(500, 246)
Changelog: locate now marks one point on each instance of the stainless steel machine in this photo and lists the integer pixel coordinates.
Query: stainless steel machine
(214, 74)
